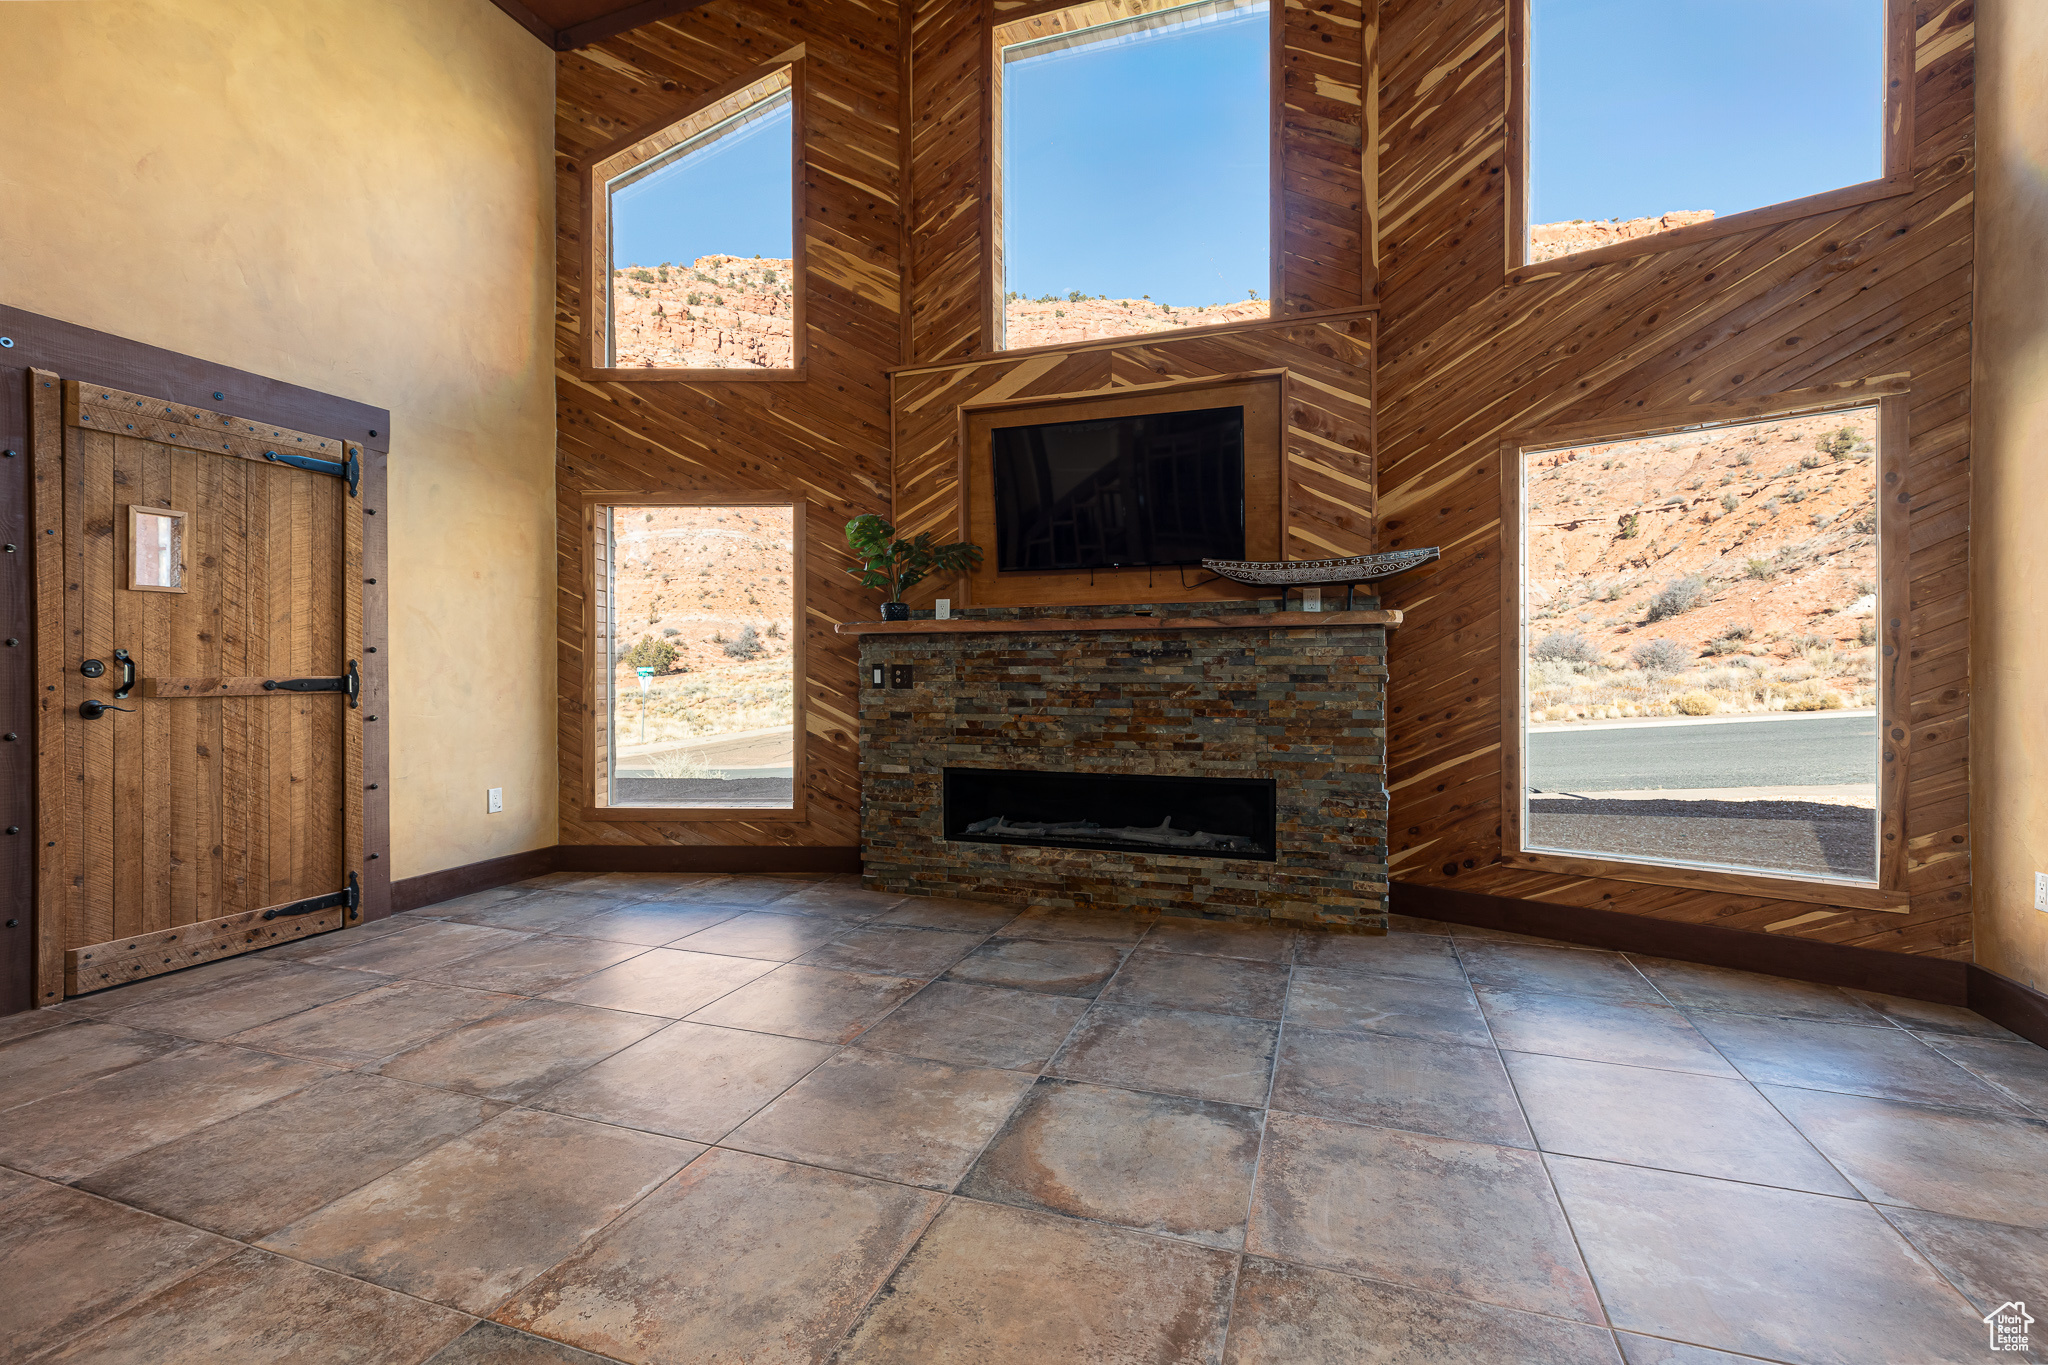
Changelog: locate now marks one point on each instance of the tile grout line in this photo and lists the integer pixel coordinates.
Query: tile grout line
(1543, 1163)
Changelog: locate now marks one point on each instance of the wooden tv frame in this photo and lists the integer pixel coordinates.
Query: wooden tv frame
(1264, 506)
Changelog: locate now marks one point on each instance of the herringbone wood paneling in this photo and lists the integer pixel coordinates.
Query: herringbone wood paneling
(824, 438)
(1876, 289)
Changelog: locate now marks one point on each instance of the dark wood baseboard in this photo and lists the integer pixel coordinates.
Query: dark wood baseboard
(2009, 1004)
(1941, 980)
(431, 888)
(752, 858)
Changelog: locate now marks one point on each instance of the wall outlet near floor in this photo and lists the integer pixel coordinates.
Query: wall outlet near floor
(497, 801)
(2041, 890)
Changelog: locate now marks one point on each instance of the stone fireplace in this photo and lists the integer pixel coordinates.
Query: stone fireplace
(1074, 755)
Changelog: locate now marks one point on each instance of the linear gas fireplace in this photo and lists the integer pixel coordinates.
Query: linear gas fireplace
(1200, 817)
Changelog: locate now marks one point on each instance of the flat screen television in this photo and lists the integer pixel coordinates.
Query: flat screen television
(1155, 489)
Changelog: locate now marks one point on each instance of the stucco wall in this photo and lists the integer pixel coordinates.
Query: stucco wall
(355, 196)
(2009, 644)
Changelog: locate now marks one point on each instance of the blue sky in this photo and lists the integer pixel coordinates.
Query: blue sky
(1142, 167)
(1740, 103)
(732, 198)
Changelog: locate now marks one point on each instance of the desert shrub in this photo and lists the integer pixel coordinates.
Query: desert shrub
(1729, 502)
(1611, 593)
(1795, 495)
(1631, 526)
(775, 630)
(1696, 703)
(1815, 701)
(1729, 642)
(1771, 507)
(1660, 656)
(669, 632)
(1678, 596)
(1811, 462)
(1674, 502)
(1866, 633)
(1744, 457)
(1865, 525)
(1566, 646)
(648, 652)
(1809, 640)
(1839, 444)
(644, 276)
(746, 645)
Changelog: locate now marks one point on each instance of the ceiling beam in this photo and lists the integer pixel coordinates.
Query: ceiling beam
(596, 30)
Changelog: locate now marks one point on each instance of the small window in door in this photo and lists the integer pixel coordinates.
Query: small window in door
(156, 549)
(703, 657)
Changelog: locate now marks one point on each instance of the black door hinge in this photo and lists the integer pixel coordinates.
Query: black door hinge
(347, 469)
(350, 897)
(349, 682)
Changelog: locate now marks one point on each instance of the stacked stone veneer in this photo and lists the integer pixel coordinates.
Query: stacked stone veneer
(1303, 706)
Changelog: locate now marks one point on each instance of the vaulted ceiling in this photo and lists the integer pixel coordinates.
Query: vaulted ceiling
(569, 24)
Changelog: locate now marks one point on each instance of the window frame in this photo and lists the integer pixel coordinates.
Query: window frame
(1896, 178)
(598, 671)
(1887, 891)
(1058, 12)
(621, 155)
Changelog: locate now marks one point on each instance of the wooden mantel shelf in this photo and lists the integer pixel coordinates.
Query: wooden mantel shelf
(1270, 620)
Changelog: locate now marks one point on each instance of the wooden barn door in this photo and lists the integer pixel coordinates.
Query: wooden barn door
(199, 637)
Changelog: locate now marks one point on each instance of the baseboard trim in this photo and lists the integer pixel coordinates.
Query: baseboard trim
(754, 858)
(434, 887)
(1941, 980)
(1937, 979)
(2009, 1004)
(431, 888)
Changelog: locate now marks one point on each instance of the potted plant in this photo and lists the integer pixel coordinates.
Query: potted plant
(895, 564)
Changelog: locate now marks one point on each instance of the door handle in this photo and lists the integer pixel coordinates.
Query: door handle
(127, 662)
(93, 710)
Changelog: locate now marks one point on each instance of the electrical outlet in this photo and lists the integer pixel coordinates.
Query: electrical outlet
(2041, 890)
(497, 800)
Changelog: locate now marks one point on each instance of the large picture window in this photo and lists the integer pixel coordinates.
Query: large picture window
(696, 266)
(1134, 172)
(697, 658)
(1697, 631)
(1688, 117)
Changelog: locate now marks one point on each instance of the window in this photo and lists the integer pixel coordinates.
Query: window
(1647, 118)
(1135, 170)
(697, 657)
(1698, 644)
(156, 549)
(694, 239)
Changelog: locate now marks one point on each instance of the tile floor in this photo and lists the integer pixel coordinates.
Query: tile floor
(681, 1119)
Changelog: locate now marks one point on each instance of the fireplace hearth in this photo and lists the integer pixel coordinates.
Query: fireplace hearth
(1203, 817)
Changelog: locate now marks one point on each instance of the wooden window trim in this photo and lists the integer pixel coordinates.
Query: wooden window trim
(136, 512)
(998, 15)
(622, 152)
(595, 679)
(1888, 890)
(1896, 180)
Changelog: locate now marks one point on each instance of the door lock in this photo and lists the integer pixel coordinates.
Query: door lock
(93, 710)
(93, 668)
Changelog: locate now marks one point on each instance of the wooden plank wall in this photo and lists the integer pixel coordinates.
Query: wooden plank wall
(1326, 405)
(825, 435)
(1846, 295)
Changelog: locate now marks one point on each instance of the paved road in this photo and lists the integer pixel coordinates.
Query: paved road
(1822, 752)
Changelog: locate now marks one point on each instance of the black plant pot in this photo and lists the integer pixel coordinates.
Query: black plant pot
(895, 611)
